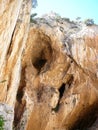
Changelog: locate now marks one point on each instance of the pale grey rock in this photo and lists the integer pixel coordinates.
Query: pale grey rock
(7, 113)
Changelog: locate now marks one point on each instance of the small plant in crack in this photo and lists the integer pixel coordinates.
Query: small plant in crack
(2, 81)
(1, 123)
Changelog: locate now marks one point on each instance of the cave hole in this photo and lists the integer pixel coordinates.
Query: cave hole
(61, 90)
(41, 52)
(39, 63)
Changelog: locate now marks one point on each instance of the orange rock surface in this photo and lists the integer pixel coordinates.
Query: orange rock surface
(48, 72)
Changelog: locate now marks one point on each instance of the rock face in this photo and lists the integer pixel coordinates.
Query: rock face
(14, 27)
(48, 74)
(59, 82)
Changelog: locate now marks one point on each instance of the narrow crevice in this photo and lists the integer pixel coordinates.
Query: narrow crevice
(20, 103)
(20, 92)
(20, 95)
(56, 109)
(61, 90)
(70, 81)
(19, 110)
(61, 93)
(10, 46)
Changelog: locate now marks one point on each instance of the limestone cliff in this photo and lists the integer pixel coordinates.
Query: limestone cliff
(14, 27)
(60, 75)
(48, 73)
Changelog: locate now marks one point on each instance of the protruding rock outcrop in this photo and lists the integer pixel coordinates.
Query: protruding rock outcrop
(59, 76)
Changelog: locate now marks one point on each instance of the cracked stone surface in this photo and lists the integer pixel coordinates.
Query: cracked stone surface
(48, 71)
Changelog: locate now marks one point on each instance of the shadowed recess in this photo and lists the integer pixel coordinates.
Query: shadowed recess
(61, 92)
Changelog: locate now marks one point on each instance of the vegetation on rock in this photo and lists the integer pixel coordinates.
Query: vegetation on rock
(1, 123)
(89, 22)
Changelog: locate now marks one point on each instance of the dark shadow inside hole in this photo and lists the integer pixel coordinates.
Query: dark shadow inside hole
(20, 104)
(61, 90)
(87, 119)
(56, 108)
(20, 95)
(39, 63)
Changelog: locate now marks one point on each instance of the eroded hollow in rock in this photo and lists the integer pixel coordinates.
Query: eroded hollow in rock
(86, 120)
(42, 52)
(61, 90)
(39, 62)
(19, 110)
(61, 93)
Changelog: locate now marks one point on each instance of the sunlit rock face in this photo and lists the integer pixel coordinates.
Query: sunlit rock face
(48, 73)
(14, 27)
(59, 78)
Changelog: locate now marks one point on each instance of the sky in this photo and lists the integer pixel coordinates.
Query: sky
(69, 8)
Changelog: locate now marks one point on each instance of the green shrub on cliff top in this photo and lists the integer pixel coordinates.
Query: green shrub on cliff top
(89, 22)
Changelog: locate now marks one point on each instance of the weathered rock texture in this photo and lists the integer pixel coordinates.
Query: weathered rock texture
(49, 76)
(14, 27)
(60, 75)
